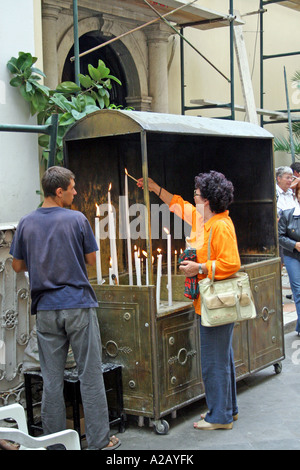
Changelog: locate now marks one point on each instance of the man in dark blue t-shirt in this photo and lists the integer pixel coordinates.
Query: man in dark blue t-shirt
(54, 243)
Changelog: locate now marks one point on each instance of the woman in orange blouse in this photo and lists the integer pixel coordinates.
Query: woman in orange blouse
(213, 194)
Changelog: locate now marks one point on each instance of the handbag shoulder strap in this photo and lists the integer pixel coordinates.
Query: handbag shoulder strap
(208, 246)
(208, 251)
(208, 257)
(209, 239)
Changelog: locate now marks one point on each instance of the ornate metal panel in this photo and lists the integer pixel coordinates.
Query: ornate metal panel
(15, 320)
(127, 329)
(266, 331)
(179, 359)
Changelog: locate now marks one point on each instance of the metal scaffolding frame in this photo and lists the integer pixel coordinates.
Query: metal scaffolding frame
(231, 104)
(264, 57)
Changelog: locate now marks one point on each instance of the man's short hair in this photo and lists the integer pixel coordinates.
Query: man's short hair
(296, 166)
(56, 177)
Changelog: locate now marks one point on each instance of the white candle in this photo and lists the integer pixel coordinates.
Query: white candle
(127, 222)
(110, 272)
(169, 266)
(137, 268)
(147, 270)
(98, 253)
(175, 262)
(158, 277)
(112, 238)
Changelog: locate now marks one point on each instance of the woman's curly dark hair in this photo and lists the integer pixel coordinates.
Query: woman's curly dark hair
(216, 189)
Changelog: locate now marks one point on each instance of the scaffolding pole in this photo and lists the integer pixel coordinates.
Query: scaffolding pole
(231, 104)
(264, 57)
(50, 129)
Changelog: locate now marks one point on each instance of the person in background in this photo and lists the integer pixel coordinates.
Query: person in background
(212, 195)
(54, 244)
(284, 194)
(289, 239)
(284, 197)
(295, 167)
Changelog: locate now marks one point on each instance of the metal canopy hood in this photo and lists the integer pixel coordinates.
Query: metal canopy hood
(117, 122)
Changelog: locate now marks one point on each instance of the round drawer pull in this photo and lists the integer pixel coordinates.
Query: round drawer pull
(265, 314)
(131, 383)
(127, 316)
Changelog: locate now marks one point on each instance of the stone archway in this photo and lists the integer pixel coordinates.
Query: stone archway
(129, 56)
(88, 41)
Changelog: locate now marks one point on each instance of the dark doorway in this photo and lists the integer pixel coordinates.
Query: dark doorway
(110, 58)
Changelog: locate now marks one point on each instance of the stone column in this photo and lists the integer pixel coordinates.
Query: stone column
(158, 66)
(50, 13)
(139, 103)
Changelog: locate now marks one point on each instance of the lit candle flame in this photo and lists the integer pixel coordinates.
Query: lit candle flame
(134, 179)
(166, 230)
(97, 210)
(145, 253)
(159, 250)
(175, 252)
(110, 261)
(109, 187)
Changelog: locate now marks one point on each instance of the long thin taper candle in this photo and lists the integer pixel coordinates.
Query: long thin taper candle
(112, 237)
(147, 270)
(137, 268)
(98, 253)
(128, 236)
(158, 278)
(110, 272)
(169, 265)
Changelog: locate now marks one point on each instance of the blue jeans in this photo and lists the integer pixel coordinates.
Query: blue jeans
(218, 373)
(293, 268)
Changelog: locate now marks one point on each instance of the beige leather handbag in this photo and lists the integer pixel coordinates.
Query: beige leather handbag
(226, 301)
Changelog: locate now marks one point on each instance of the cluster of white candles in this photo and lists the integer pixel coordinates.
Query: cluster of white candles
(113, 269)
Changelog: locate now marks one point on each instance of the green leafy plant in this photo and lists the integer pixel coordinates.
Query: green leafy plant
(282, 144)
(70, 101)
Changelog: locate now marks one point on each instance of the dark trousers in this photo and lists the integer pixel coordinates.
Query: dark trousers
(57, 329)
(218, 373)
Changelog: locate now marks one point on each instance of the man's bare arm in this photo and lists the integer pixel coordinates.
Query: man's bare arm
(90, 258)
(19, 265)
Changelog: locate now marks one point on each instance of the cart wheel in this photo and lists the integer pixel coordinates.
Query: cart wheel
(161, 427)
(278, 367)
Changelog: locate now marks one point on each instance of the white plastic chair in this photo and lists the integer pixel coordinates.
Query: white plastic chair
(68, 438)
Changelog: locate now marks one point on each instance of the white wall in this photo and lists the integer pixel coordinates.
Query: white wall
(19, 161)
